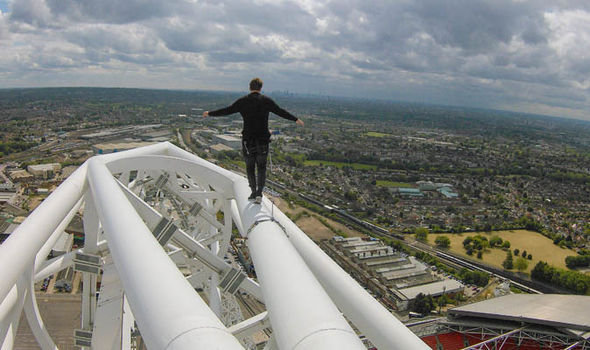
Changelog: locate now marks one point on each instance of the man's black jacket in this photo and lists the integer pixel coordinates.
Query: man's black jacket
(254, 109)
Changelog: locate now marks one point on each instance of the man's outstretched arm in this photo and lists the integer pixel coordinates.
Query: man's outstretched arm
(283, 113)
(234, 108)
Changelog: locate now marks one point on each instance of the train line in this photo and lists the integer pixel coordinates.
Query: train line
(378, 231)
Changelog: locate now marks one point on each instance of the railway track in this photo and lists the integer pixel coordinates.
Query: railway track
(379, 232)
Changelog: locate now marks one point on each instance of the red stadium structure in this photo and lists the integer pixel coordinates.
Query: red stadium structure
(523, 322)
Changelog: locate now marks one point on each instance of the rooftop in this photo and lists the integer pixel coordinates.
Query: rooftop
(434, 289)
(570, 311)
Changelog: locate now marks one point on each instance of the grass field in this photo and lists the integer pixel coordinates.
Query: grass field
(541, 247)
(356, 166)
(311, 225)
(376, 134)
(385, 183)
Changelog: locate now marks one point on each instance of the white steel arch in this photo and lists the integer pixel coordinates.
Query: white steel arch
(149, 211)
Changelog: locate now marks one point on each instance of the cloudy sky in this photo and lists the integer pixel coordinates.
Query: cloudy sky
(529, 56)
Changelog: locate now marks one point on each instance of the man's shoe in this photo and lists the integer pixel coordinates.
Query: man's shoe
(258, 199)
(252, 196)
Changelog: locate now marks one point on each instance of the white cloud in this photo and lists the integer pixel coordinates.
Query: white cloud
(4, 33)
(520, 54)
(570, 38)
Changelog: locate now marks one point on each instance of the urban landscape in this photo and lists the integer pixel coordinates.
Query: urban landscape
(428, 208)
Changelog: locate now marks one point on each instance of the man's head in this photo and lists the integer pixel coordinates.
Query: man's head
(256, 84)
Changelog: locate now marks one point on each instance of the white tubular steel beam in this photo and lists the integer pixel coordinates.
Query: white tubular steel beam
(9, 323)
(34, 317)
(301, 313)
(61, 262)
(107, 331)
(181, 320)
(368, 315)
(215, 263)
(250, 326)
(41, 256)
(21, 247)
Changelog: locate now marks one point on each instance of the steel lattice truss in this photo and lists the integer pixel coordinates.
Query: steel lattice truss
(157, 223)
(508, 338)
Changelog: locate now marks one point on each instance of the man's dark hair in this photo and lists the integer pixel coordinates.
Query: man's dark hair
(256, 84)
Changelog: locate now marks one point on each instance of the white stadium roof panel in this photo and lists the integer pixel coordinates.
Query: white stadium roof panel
(567, 311)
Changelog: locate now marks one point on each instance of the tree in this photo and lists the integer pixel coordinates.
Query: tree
(506, 245)
(524, 254)
(474, 277)
(521, 264)
(577, 261)
(443, 241)
(516, 251)
(480, 254)
(508, 263)
(421, 234)
(495, 241)
(530, 257)
(576, 282)
(423, 304)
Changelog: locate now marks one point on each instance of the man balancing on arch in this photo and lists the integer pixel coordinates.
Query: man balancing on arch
(254, 109)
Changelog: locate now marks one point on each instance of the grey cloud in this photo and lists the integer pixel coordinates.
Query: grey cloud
(371, 64)
(4, 31)
(114, 11)
(32, 12)
(124, 39)
(245, 57)
(475, 26)
(453, 51)
(535, 31)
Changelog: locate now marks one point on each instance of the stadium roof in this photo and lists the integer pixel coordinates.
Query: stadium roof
(567, 311)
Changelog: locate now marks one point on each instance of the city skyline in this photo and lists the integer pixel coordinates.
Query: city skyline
(510, 55)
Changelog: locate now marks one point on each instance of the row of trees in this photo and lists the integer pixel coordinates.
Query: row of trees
(479, 243)
(576, 282)
(478, 278)
(520, 264)
(7, 148)
(524, 254)
(577, 261)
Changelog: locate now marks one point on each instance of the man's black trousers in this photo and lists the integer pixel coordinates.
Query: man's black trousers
(255, 153)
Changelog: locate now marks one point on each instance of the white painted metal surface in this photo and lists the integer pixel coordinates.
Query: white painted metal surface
(379, 325)
(167, 219)
(169, 312)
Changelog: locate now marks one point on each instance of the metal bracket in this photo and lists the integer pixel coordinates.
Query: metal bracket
(87, 263)
(161, 181)
(231, 281)
(82, 337)
(272, 219)
(164, 231)
(195, 209)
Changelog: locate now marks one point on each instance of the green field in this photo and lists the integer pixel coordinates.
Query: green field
(385, 183)
(539, 246)
(356, 166)
(376, 134)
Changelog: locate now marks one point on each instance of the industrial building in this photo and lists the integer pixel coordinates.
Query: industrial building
(44, 171)
(409, 192)
(231, 141)
(105, 148)
(399, 276)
